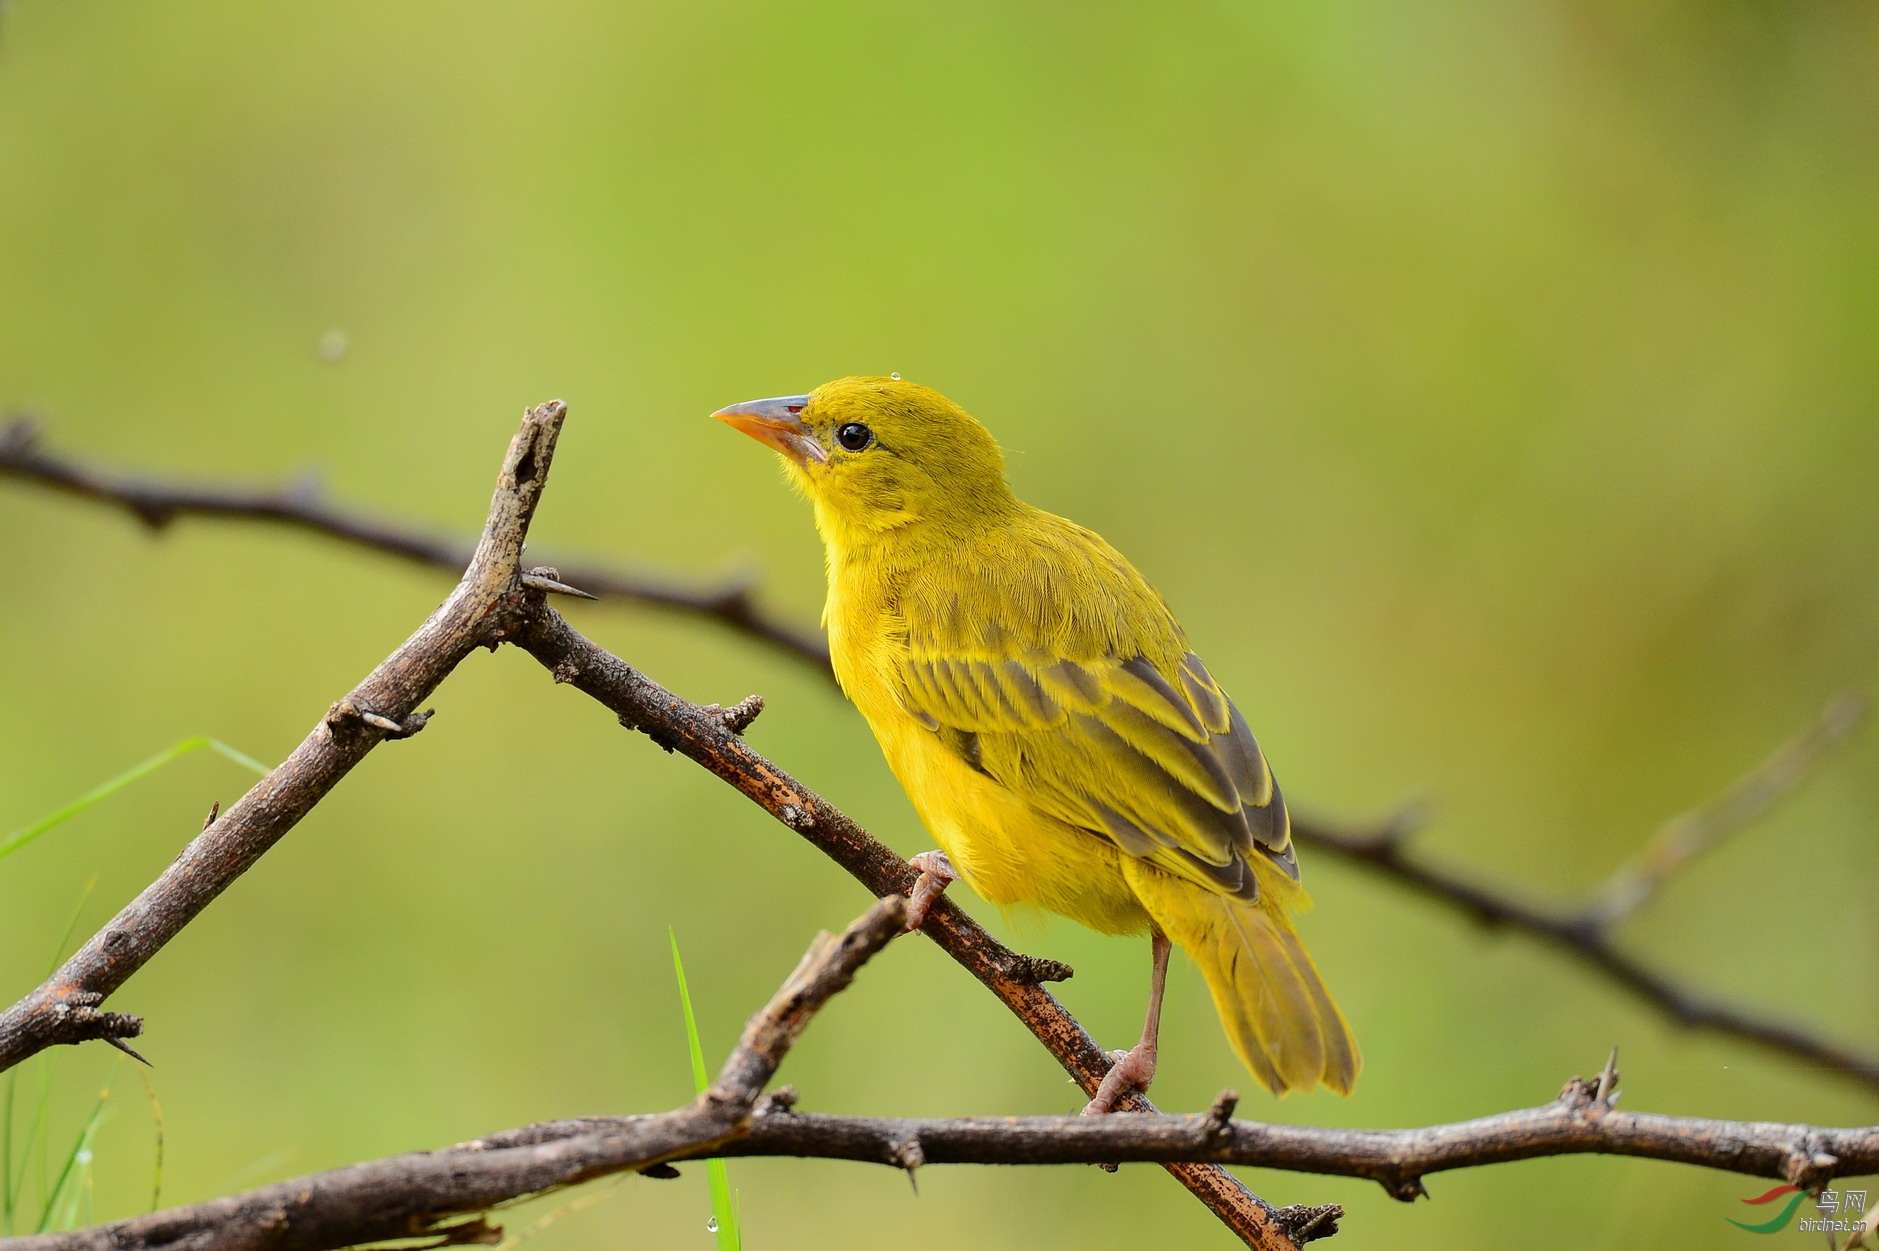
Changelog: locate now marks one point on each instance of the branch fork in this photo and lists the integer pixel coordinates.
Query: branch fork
(420, 1195)
(63, 1010)
(1587, 933)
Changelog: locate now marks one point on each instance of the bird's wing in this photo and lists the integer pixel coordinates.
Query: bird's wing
(1153, 757)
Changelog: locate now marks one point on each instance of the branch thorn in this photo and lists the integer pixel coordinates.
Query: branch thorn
(1607, 1080)
(1308, 1223)
(909, 1155)
(547, 579)
(738, 717)
(129, 1050)
(19, 436)
(778, 1102)
(1220, 1115)
(1405, 822)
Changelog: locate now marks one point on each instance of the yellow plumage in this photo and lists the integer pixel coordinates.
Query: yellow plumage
(1042, 708)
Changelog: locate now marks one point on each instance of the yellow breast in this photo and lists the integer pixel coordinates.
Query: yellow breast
(1008, 852)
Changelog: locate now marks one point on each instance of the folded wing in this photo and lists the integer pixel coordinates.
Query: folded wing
(1153, 757)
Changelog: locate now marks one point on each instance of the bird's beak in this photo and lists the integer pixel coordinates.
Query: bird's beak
(776, 423)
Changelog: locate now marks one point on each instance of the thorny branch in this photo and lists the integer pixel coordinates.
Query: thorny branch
(493, 602)
(1576, 1123)
(709, 736)
(1587, 934)
(299, 505)
(418, 1195)
(1684, 838)
(385, 705)
(444, 1194)
(1583, 1120)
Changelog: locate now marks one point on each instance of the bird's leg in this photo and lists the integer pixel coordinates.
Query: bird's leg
(936, 874)
(1135, 1069)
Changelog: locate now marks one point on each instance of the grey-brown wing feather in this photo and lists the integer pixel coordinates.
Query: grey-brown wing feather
(1158, 761)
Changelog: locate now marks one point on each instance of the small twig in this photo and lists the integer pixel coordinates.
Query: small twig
(420, 1195)
(64, 1009)
(157, 503)
(1589, 943)
(423, 1194)
(1686, 837)
(702, 734)
(493, 599)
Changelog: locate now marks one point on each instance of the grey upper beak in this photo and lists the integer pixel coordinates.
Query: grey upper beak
(775, 422)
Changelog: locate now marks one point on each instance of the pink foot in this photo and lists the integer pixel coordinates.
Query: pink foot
(1132, 1070)
(936, 874)
(1135, 1069)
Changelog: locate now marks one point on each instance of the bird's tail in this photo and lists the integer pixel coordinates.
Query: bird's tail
(1276, 1010)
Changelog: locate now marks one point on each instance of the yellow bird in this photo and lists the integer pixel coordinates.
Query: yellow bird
(1045, 714)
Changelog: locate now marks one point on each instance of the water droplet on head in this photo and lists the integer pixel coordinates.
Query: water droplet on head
(895, 377)
(711, 1226)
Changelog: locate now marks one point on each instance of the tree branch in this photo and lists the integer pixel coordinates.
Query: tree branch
(65, 1009)
(1398, 1159)
(157, 503)
(1683, 838)
(709, 736)
(419, 1194)
(492, 601)
(1585, 936)
(426, 1194)
(496, 601)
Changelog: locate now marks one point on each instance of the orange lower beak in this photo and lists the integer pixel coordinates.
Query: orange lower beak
(775, 424)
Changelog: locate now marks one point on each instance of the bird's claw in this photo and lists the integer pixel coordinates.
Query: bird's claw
(936, 874)
(1131, 1070)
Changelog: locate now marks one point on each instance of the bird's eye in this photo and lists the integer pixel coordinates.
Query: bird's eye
(854, 436)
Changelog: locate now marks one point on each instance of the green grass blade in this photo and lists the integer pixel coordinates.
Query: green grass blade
(246, 761)
(104, 790)
(10, 1184)
(699, 1078)
(723, 1210)
(76, 1160)
(254, 1170)
(78, 910)
(39, 1142)
(156, 1115)
(6, 1155)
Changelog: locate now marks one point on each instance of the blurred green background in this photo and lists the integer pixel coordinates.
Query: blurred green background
(1491, 388)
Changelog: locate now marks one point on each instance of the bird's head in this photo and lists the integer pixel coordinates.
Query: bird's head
(879, 456)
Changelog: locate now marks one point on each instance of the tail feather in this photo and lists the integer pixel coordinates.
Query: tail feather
(1276, 1010)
